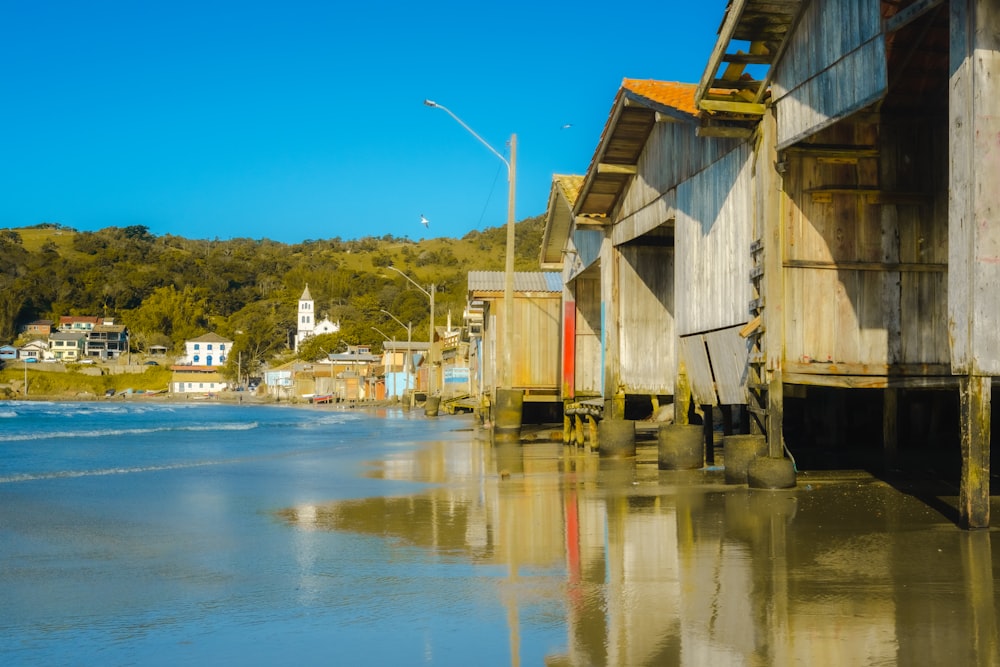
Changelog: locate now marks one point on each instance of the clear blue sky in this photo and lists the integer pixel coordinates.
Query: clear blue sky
(301, 119)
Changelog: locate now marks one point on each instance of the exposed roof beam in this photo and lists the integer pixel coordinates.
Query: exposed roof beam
(626, 169)
(749, 108)
(724, 131)
(748, 58)
(733, 14)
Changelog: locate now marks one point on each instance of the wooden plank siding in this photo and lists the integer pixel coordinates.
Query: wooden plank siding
(536, 342)
(712, 237)
(672, 154)
(588, 361)
(698, 368)
(646, 296)
(834, 65)
(869, 280)
(728, 353)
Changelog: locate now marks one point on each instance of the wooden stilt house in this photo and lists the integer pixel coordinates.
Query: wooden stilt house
(631, 327)
(874, 209)
(537, 321)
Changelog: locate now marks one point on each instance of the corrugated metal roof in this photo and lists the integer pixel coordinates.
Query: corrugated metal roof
(524, 281)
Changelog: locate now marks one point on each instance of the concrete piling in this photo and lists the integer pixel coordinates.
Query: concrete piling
(680, 447)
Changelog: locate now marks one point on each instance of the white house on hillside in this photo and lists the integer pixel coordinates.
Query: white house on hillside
(208, 350)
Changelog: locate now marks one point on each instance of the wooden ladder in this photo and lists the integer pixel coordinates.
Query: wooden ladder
(757, 381)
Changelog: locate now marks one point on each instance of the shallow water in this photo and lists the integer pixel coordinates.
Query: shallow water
(155, 534)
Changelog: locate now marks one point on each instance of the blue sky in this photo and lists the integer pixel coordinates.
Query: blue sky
(304, 119)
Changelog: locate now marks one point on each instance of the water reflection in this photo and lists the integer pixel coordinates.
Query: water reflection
(649, 567)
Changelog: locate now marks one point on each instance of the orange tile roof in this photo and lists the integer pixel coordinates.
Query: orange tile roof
(673, 94)
(570, 186)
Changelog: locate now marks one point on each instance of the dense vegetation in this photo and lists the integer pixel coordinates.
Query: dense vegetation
(168, 288)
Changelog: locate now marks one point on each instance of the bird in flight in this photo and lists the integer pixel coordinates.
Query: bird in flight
(566, 126)
(424, 221)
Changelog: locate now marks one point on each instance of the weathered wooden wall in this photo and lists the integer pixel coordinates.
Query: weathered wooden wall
(537, 321)
(712, 242)
(866, 248)
(589, 368)
(672, 153)
(646, 296)
(586, 249)
(834, 66)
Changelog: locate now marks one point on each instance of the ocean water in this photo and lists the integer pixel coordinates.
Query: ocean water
(133, 533)
(140, 533)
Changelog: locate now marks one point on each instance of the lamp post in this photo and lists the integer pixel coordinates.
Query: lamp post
(409, 339)
(430, 332)
(508, 288)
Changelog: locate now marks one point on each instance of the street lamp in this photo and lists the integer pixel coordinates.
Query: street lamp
(429, 295)
(508, 288)
(409, 339)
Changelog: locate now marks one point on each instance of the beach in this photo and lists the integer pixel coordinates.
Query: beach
(145, 532)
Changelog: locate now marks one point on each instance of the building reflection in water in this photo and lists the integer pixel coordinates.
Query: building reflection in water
(652, 567)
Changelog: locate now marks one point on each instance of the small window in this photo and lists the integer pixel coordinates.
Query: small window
(197, 346)
(222, 347)
(197, 358)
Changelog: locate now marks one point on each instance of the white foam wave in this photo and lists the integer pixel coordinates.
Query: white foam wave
(110, 433)
(69, 474)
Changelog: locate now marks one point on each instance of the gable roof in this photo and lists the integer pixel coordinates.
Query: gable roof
(68, 335)
(559, 218)
(638, 106)
(210, 337)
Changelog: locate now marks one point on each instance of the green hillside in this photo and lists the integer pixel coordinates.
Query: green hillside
(169, 288)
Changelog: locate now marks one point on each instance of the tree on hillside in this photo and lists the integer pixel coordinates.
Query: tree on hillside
(259, 331)
(180, 315)
(318, 347)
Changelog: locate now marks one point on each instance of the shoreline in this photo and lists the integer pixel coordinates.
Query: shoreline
(222, 398)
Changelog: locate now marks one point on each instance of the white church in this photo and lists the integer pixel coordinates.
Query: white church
(307, 324)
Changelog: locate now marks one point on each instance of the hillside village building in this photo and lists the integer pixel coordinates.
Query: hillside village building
(208, 350)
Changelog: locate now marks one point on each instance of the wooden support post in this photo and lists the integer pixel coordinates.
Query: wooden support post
(974, 237)
(580, 442)
(775, 416)
(727, 419)
(772, 225)
(890, 428)
(975, 393)
(709, 431)
(614, 398)
(682, 396)
(592, 430)
(567, 427)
